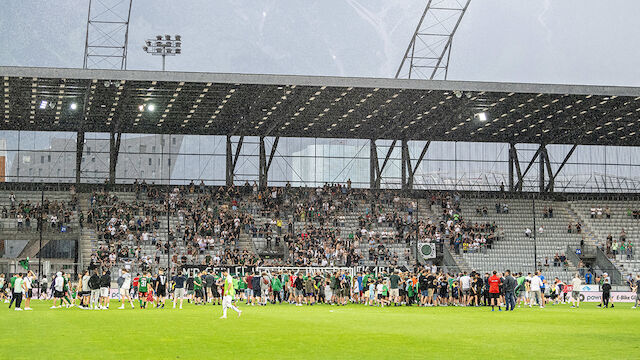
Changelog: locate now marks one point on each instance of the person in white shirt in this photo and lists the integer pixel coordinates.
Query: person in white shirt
(465, 284)
(379, 291)
(58, 287)
(576, 283)
(536, 294)
(28, 281)
(125, 289)
(19, 288)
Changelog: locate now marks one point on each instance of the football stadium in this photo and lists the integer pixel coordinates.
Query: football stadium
(195, 213)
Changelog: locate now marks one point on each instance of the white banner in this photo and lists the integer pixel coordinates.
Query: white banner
(616, 296)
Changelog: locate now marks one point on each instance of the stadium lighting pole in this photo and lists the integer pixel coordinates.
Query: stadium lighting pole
(163, 46)
(41, 226)
(535, 240)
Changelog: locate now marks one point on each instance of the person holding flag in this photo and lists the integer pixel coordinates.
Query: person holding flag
(228, 292)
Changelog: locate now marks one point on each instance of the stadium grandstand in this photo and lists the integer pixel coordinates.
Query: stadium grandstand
(147, 170)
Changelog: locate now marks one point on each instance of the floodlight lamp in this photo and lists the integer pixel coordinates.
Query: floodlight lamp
(151, 107)
(158, 37)
(481, 116)
(169, 51)
(146, 49)
(167, 37)
(73, 106)
(148, 43)
(43, 104)
(178, 51)
(458, 93)
(178, 37)
(178, 44)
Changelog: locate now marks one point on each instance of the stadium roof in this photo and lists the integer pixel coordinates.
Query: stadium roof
(310, 106)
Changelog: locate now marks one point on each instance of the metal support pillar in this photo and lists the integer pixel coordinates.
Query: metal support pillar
(231, 159)
(79, 151)
(511, 166)
(406, 163)
(262, 166)
(114, 150)
(521, 176)
(541, 168)
(378, 170)
(373, 163)
(552, 177)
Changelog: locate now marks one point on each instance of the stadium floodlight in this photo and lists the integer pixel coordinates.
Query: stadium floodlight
(482, 116)
(73, 106)
(163, 46)
(151, 107)
(43, 104)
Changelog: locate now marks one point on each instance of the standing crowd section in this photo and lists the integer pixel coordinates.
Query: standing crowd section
(330, 226)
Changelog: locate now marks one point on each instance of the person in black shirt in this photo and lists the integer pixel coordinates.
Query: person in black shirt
(160, 287)
(105, 287)
(94, 285)
(422, 285)
(255, 282)
(431, 289)
(299, 285)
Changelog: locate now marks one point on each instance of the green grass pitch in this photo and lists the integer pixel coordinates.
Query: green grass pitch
(320, 332)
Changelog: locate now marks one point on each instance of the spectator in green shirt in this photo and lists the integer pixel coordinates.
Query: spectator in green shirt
(276, 286)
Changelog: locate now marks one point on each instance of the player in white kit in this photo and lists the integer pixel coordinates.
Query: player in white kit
(125, 289)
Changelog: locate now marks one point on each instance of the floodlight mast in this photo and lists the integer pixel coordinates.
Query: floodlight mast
(163, 46)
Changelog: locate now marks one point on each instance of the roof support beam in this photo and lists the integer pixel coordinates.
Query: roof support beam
(79, 152)
(114, 151)
(373, 163)
(521, 176)
(80, 135)
(231, 159)
(406, 163)
(379, 169)
(409, 170)
(564, 162)
(264, 163)
(541, 160)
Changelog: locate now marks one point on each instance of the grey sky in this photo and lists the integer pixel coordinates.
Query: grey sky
(568, 41)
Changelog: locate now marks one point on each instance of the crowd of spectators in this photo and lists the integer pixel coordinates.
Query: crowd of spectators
(57, 215)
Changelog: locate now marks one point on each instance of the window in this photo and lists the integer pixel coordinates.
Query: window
(153, 149)
(41, 159)
(88, 150)
(150, 161)
(93, 159)
(173, 140)
(169, 162)
(26, 159)
(48, 158)
(143, 149)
